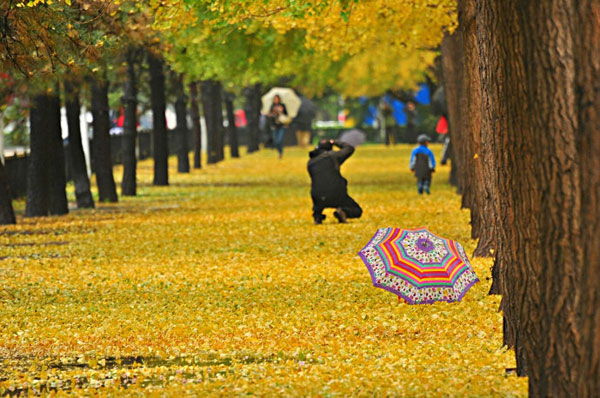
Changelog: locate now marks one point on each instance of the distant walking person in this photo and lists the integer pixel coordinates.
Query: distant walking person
(278, 116)
(422, 163)
(390, 124)
(412, 121)
(329, 188)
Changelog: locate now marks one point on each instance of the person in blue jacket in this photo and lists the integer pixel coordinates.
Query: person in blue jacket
(422, 163)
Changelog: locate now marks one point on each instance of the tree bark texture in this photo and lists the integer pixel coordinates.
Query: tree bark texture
(160, 146)
(477, 192)
(129, 181)
(196, 125)
(453, 66)
(502, 121)
(541, 78)
(183, 159)
(37, 201)
(231, 127)
(58, 204)
(7, 213)
(252, 109)
(212, 106)
(455, 86)
(101, 152)
(83, 194)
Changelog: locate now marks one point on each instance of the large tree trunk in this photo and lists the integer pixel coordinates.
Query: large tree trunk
(183, 159)
(37, 201)
(7, 214)
(58, 204)
(543, 119)
(77, 164)
(212, 106)
(231, 128)
(160, 144)
(498, 23)
(196, 125)
(129, 183)
(252, 109)
(101, 152)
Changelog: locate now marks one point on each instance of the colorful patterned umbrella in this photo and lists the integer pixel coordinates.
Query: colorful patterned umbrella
(418, 266)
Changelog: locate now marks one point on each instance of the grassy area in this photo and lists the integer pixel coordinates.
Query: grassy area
(221, 285)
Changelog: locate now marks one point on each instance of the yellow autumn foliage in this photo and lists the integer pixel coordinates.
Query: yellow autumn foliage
(220, 285)
(378, 69)
(382, 44)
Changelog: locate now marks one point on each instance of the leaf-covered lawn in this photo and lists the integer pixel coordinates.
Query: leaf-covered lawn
(221, 285)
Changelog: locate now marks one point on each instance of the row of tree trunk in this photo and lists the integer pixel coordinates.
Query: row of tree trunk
(522, 81)
(46, 177)
(213, 98)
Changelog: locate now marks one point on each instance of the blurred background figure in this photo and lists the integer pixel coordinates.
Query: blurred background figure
(412, 121)
(389, 121)
(302, 123)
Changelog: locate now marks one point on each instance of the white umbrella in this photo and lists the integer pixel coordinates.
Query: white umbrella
(288, 97)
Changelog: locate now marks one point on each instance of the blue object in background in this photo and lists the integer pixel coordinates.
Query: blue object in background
(371, 116)
(423, 95)
(399, 113)
(397, 109)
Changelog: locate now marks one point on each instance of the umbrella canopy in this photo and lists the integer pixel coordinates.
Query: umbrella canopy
(353, 137)
(418, 266)
(288, 97)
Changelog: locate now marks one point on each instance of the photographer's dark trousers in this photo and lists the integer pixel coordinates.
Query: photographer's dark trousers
(349, 205)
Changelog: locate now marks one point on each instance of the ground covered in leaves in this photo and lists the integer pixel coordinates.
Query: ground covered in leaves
(221, 285)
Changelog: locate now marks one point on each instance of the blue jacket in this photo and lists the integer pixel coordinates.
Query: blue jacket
(422, 161)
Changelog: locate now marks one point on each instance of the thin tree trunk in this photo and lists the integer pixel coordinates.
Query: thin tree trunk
(453, 177)
(252, 108)
(78, 167)
(37, 201)
(58, 204)
(183, 159)
(453, 66)
(7, 214)
(160, 145)
(231, 128)
(196, 125)
(129, 183)
(207, 108)
(211, 104)
(220, 139)
(101, 152)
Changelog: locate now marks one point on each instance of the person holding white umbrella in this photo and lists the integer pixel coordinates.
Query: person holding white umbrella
(278, 116)
(280, 104)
